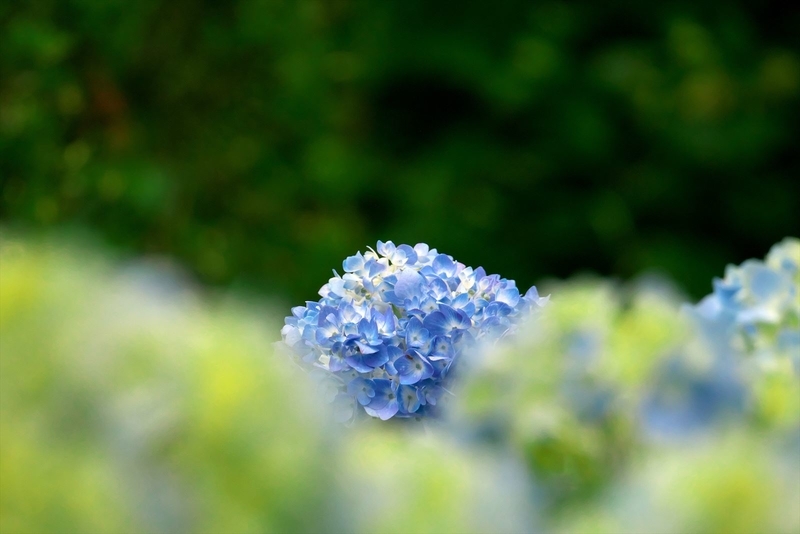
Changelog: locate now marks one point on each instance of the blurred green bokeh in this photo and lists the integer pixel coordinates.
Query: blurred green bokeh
(568, 396)
(261, 141)
(131, 404)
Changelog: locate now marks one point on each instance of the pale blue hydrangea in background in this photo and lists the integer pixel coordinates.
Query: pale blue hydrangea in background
(755, 308)
(748, 331)
(751, 322)
(389, 332)
(742, 360)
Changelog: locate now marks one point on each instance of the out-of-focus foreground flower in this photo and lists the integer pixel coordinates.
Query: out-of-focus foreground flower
(635, 415)
(389, 332)
(130, 403)
(756, 306)
(754, 314)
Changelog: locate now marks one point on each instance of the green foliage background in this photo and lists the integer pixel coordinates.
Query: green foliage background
(261, 141)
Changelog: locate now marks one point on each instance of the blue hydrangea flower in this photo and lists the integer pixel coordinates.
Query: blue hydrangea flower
(388, 332)
(755, 308)
(750, 325)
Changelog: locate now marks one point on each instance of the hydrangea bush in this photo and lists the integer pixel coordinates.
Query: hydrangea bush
(388, 333)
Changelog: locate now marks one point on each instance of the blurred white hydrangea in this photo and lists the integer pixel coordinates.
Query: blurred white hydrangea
(753, 316)
(755, 307)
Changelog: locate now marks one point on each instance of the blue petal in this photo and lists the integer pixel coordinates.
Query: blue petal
(408, 398)
(420, 341)
(366, 363)
(348, 314)
(469, 309)
(452, 315)
(393, 352)
(336, 286)
(454, 319)
(409, 253)
(444, 264)
(386, 322)
(378, 358)
(413, 367)
(368, 330)
(322, 337)
(398, 257)
(460, 301)
(356, 362)
(533, 297)
(532, 293)
(416, 334)
(438, 289)
(404, 365)
(365, 349)
(509, 295)
(351, 281)
(498, 309)
(328, 313)
(386, 249)
(385, 392)
(435, 323)
(442, 346)
(374, 268)
(408, 284)
(428, 305)
(353, 263)
(392, 298)
(386, 412)
(362, 389)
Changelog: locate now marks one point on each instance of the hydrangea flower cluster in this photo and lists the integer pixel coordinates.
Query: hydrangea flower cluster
(387, 334)
(755, 308)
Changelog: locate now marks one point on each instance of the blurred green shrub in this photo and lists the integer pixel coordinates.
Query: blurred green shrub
(729, 483)
(131, 403)
(631, 421)
(566, 392)
(398, 482)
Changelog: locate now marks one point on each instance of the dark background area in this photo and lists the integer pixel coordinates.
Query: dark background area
(261, 142)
